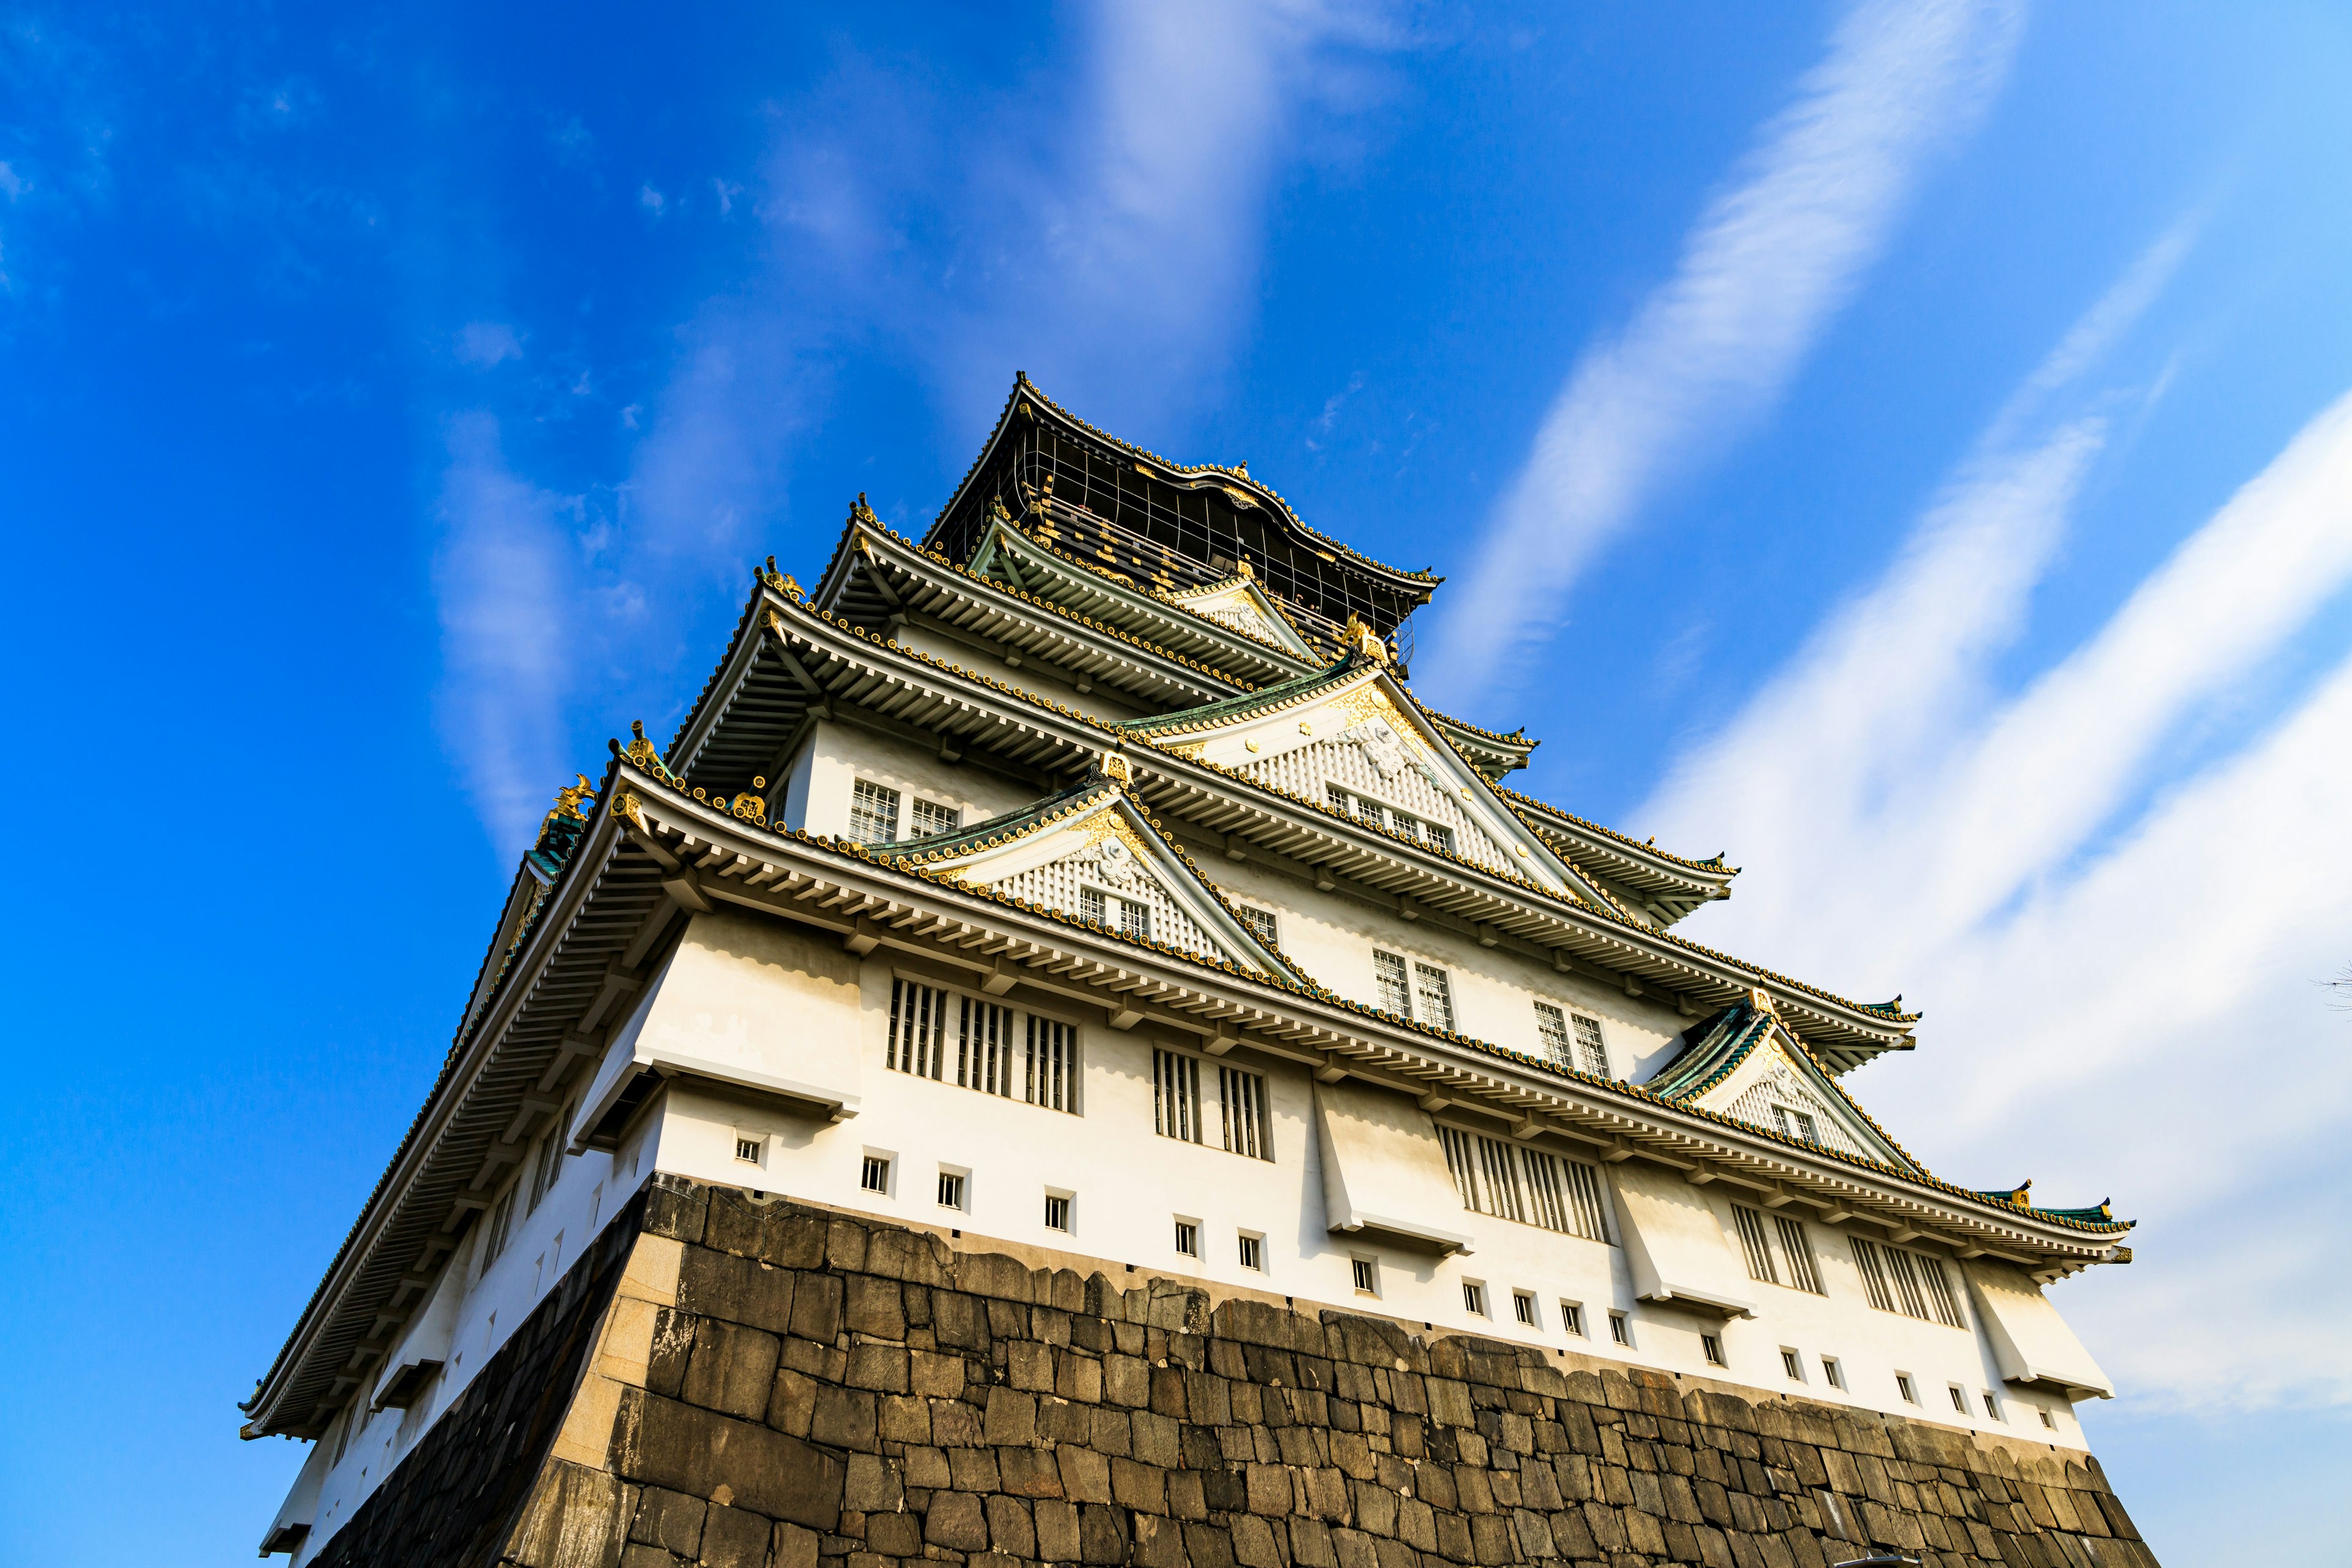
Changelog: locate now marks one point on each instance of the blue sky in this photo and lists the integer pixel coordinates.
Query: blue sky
(1898, 445)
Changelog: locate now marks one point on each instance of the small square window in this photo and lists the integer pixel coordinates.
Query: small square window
(1253, 1251)
(1903, 1386)
(1793, 1364)
(1552, 1031)
(1960, 1400)
(1473, 1296)
(2046, 1420)
(1571, 1318)
(1188, 1238)
(748, 1150)
(1523, 1307)
(1621, 1329)
(1992, 1407)
(1588, 1040)
(1713, 1345)
(876, 1176)
(1057, 1211)
(1396, 991)
(1367, 1275)
(1260, 922)
(1830, 1373)
(950, 1190)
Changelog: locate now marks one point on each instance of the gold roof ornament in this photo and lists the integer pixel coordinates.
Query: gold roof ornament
(860, 512)
(1117, 769)
(644, 755)
(996, 509)
(1242, 568)
(1761, 1000)
(568, 799)
(1359, 638)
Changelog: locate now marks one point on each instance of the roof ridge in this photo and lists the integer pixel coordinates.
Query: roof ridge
(1012, 527)
(1618, 833)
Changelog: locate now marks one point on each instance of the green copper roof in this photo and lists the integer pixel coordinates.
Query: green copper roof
(1274, 696)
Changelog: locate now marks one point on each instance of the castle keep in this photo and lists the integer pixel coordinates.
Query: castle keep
(1064, 1059)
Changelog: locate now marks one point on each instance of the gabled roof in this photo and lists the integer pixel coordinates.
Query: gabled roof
(1743, 1060)
(1358, 702)
(1124, 853)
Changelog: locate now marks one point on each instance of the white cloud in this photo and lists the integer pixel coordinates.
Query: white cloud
(482, 345)
(1769, 262)
(2138, 1019)
(500, 576)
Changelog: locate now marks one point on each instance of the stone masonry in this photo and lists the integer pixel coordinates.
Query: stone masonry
(779, 1385)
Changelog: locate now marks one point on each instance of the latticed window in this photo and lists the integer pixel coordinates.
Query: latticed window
(926, 817)
(1587, 1041)
(984, 1048)
(1485, 1172)
(873, 812)
(1433, 995)
(1756, 1243)
(1240, 1097)
(1396, 992)
(1260, 922)
(1176, 1096)
(1131, 917)
(1551, 1030)
(1796, 1124)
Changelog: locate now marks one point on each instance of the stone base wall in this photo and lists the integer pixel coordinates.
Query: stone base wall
(778, 1385)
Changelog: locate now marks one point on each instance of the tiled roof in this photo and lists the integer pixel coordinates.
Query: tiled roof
(910, 866)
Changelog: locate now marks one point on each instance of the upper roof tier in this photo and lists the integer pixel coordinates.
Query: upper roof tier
(1174, 526)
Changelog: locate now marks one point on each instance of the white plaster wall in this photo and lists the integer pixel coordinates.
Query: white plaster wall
(816, 798)
(1129, 1187)
(1043, 680)
(1332, 937)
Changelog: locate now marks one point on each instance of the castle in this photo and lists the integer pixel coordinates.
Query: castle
(1063, 1057)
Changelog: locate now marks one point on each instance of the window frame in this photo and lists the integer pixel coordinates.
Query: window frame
(919, 804)
(1013, 1063)
(856, 809)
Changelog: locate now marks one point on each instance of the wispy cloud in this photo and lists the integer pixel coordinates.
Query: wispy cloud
(1076, 233)
(503, 577)
(1769, 262)
(1905, 825)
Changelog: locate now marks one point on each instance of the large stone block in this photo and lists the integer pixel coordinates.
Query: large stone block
(668, 1443)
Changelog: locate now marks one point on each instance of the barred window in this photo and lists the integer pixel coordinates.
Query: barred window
(501, 1226)
(1756, 1243)
(1588, 1040)
(1571, 1318)
(875, 1175)
(1797, 1249)
(932, 1029)
(1176, 1096)
(1440, 835)
(1564, 1195)
(919, 1027)
(1939, 1292)
(1365, 809)
(1260, 922)
(1433, 995)
(873, 812)
(1872, 1263)
(1241, 1096)
(1551, 1029)
(1485, 1172)
(926, 817)
(984, 1048)
(1396, 992)
(1796, 1124)
(1911, 1283)
(1052, 1077)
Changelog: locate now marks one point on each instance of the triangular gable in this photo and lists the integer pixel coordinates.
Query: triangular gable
(1240, 604)
(1744, 1064)
(1054, 854)
(1354, 729)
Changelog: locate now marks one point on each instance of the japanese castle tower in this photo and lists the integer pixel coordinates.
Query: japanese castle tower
(1063, 1057)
